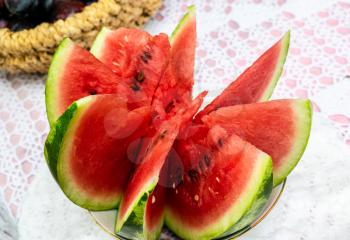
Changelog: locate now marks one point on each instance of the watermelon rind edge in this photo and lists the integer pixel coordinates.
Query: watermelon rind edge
(55, 70)
(258, 205)
(98, 44)
(191, 12)
(145, 190)
(285, 41)
(64, 179)
(262, 172)
(54, 138)
(303, 114)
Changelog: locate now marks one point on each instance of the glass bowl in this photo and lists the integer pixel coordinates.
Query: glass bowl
(106, 220)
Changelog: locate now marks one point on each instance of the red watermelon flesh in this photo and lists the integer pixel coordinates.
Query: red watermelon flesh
(134, 55)
(117, 49)
(146, 174)
(154, 213)
(93, 150)
(256, 83)
(280, 128)
(216, 188)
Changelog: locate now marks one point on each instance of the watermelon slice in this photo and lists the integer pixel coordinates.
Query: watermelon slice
(183, 49)
(75, 73)
(117, 49)
(146, 175)
(154, 213)
(134, 55)
(175, 87)
(280, 128)
(223, 176)
(88, 146)
(155, 207)
(68, 81)
(256, 83)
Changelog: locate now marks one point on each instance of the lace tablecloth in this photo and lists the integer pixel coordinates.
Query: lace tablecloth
(232, 33)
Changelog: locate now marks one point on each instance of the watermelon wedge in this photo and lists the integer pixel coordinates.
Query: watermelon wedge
(183, 49)
(154, 213)
(87, 147)
(117, 48)
(175, 87)
(75, 73)
(256, 83)
(134, 55)
(223, 176)
(147, 173)
(280, 128)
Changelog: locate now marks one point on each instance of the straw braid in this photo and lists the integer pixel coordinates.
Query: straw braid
(31, 50)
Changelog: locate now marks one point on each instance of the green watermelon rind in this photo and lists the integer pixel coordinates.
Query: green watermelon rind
(55, 70)
(262, 172)
(303, 116)
(257, 207)
(66, 127)
(55, 136)
(278, 69)
(98, 44)
(147, 189)
(191, 12)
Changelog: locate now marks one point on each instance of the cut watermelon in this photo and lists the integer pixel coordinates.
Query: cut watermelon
(155, 208)
(117, 49)
(154, 213)
(75, 73)
(256, 83)
(146, 175)
(224, 175)
(183, 49)
(280, 128)
(134, 55)
(136, 146)
(175, 87)
(89, 144)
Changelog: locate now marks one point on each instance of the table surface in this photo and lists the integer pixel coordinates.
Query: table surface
(231, 34)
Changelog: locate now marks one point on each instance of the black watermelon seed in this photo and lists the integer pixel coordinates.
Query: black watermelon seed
(140, 77)
(147, 55)
(92, 92)
(135, 87)
(194, 175)
(144, 59)
(162, 135)
(170, 106)
(207, 160)
(220, 142)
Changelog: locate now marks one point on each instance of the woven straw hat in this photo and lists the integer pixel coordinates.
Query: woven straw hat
(31, 50)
